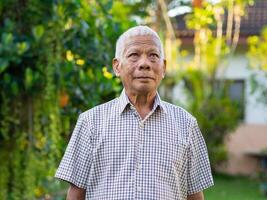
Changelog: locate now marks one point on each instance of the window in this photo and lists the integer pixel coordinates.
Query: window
(236, 92)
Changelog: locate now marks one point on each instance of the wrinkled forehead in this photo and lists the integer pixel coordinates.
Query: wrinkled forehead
(142, 41)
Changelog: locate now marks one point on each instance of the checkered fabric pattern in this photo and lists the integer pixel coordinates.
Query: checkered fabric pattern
(114, 154)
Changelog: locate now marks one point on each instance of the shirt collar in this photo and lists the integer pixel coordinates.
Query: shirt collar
(124, 101)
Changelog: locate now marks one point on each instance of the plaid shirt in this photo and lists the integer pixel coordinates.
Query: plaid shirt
(114, 154)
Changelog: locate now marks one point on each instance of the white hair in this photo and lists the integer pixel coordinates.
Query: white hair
(136, 31)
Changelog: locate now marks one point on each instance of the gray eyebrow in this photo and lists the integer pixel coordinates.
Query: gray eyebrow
(138, 50)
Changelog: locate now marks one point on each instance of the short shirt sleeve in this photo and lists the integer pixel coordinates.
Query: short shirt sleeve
(75, 164)
(199, 175)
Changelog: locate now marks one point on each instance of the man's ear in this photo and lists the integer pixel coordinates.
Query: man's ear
(164, 68)
(116, 66)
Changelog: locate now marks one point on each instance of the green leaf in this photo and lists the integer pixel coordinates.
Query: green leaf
(82, 75)
(3, 65)
(7, 38)
(14, 88)
(22, 47)
(28, 78)
(38, 31)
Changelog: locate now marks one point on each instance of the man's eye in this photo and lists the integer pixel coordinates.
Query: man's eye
(154, 55)
(133, 55)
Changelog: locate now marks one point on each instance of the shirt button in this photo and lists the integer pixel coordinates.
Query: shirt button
(141, 125)
(139, 188)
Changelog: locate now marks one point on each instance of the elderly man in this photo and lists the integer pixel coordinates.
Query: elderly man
(137, 146)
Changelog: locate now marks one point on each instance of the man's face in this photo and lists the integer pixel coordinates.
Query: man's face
(141, 67)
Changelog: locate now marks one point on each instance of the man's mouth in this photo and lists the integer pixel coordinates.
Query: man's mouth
(144, 77)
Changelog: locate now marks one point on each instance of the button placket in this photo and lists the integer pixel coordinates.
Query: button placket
(139, 156)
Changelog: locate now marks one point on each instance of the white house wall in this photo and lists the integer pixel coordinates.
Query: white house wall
(255, 112)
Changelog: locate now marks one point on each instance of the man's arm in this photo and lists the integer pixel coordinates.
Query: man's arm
(75, 193)
(196, 196)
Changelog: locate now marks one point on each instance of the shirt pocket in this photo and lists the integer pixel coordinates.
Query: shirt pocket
(172, 158)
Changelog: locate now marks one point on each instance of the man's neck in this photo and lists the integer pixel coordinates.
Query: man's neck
(143, 103)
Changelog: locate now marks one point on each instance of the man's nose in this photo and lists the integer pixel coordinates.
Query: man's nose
(144, 63)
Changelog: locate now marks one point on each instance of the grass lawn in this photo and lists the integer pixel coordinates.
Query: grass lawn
(233, 188)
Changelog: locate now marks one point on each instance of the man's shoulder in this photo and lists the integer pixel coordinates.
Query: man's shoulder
(101, 109)
(178, 112)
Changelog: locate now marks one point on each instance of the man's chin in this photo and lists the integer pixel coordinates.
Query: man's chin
(145, 90)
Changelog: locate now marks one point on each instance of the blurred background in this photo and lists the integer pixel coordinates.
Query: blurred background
(55, 62)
